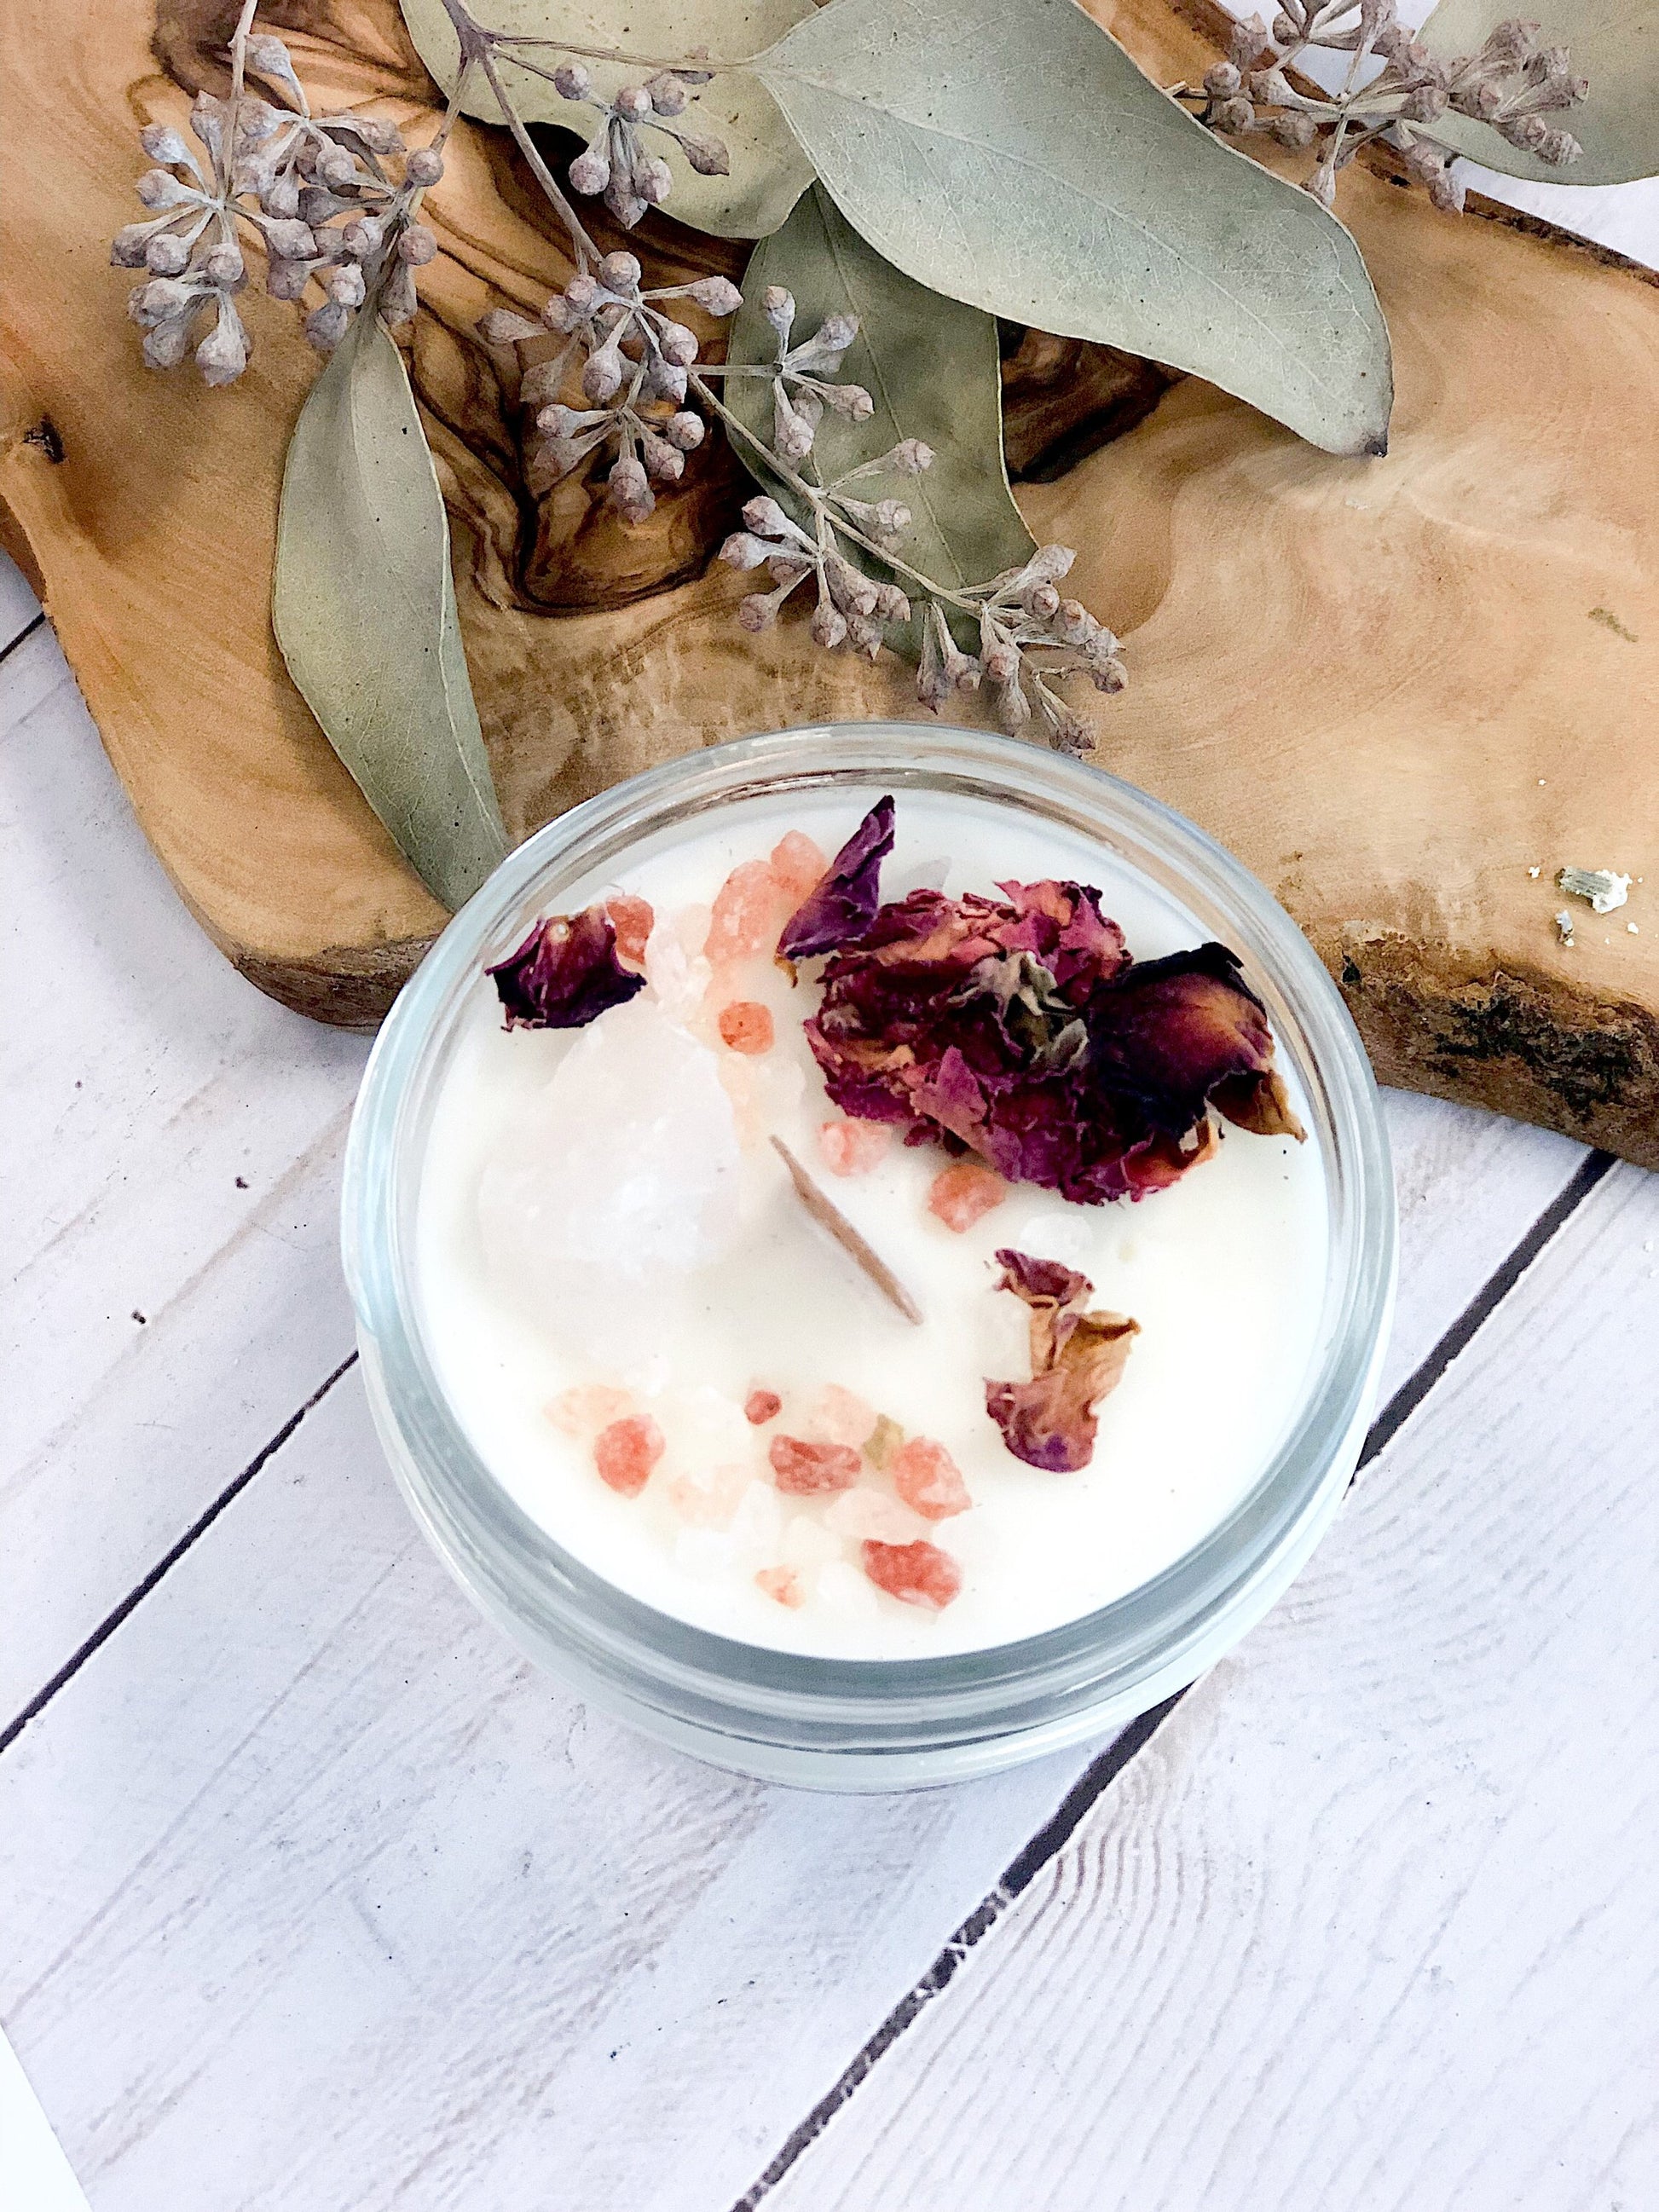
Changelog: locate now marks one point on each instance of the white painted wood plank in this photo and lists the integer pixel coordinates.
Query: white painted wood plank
(34, 2174)
(144, 1078)
(1371, 1922)
(18, 605)
(326, 1898)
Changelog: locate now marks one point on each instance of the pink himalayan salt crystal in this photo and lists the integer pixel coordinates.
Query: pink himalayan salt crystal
(797, 864)
(840, 1417)
(587, 1409)
(802, 1468)
(961, 1194)
(865, 1512)
(929, 1480)
(625, 1453)
(850, 1148)
(746, 1026)
(709, 1499)
(916, 1574)
(782, 1584)
(750, 907)
(761, 1406)
(632, 920)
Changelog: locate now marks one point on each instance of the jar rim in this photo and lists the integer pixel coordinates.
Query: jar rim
(693, 1680)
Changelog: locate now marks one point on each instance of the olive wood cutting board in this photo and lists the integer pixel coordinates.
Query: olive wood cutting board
(1404, 690)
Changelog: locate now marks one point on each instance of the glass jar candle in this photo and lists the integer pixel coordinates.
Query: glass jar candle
(707, 1424)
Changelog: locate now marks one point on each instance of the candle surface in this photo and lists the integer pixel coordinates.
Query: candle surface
(617, 1278)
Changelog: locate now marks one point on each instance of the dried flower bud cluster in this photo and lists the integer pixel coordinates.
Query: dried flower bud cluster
(1028, 634)
(315, 191)
(618, 165)
(629, 362)
(1511, 84)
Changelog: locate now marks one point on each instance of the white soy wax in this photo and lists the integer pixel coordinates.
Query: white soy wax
(602, 1209)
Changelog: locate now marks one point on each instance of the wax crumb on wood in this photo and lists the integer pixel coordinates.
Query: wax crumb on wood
(761, 1406)
(632, 920)
(782, 1584)
(964, 1193)
(746, 1026)
(626, 1452)
(1604, 887)
(802, 1468)
(588, 1407)
(1563, 927)
(1535, 873)
(850, 1148)
(917, 1574)
(929, 1480)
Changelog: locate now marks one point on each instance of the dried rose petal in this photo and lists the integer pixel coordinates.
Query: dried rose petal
(843, 903)
(588, 1407)
(804, 1469)
(797, 863)
(626, 1452)
(850, 1148)
(761, 1406)
(565, 974)
(746, 1026)
(782, 1584)
(1077, 1359)
(929, 1480)
(1171, 1034)
(632, 920)
(965, 1192)
(745, 913)
(916, 1574)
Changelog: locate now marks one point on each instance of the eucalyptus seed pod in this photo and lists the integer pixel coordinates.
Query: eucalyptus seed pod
(854, 592)
(707, 155)
(792, 433)
(778, 306)
(130, 247)
(222, 355)
(1013, 708)
(398, 297)
(417, 245)
(664, 464)
(336, 168)
(424, 165)
(663, 380)
(619, 272)
(1295, 129)
(678, 344)
(633, 103)
(292, 240)
(363, 239)
(589, 173)
(163, 300)
(281, 197)
(766, 518)
(501, 326)
(653, 179)
(715, 296)
(224, 268)
(572, 81)
(166, 344)
(742, 550)
(165, 255)
(910, 457)
(159, 188)
(346, 287)
(164, 143)
(668, 96)
(326, 326)
(287, 280)
(1222, 80)
(1042, 600)
(827, 625)
(1072, 624)
(628, 490)
(757, 611)
(602, 372)
(684, 430)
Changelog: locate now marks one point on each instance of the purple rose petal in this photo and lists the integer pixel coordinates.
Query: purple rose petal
(843, 902)
(565, 974)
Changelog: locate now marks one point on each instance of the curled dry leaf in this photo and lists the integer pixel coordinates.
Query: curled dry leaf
(1094, 207)
(364, 610)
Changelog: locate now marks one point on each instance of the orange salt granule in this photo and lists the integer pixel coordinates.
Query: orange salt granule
(798, 865)
(782, 1584)
(850, 1148)
(961, 1194)
(750, 910)
(746, 1026)
(761, 1406)
(916, 1574)
(587, 1409)
(802, 1468)
(632, 920)
(928, 1479)
(625, 1453)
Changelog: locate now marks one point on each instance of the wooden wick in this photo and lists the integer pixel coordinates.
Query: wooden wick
(828, 1215)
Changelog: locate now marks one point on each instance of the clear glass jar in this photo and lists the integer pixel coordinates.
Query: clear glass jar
(845, 1724)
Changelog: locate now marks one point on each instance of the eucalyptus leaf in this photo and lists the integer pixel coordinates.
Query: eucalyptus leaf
(364, 611)
(769, 171)
(931, 365)
(1009, 154)
(1614, 43)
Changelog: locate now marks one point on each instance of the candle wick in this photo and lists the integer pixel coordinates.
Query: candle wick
(827, 1215)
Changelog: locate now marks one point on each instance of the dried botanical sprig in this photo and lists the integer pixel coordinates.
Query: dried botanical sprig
(1511, 84)
(618, 165)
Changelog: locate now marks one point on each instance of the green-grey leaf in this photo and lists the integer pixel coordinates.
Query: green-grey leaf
(770, 171)
(931, 365)
(1614, 43)
(1010, 152)
(364, 611)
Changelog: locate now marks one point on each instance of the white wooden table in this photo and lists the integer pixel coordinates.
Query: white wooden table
(314, 1897)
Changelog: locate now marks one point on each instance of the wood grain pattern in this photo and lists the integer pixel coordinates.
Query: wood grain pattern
(1386, 684)
(1432, 1985)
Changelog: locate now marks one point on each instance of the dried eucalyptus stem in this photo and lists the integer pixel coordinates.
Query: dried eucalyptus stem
(1510, 85)
(333, 199)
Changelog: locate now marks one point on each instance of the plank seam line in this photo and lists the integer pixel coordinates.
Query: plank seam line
(169, 1560)
(1024, 1868)
(26, 632)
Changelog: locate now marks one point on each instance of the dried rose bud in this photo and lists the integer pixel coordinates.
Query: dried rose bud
(708, 156)
(417, 245)
(715, 296)
(684, 430)
(424, 165)
(589, 173)
(845, 901)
